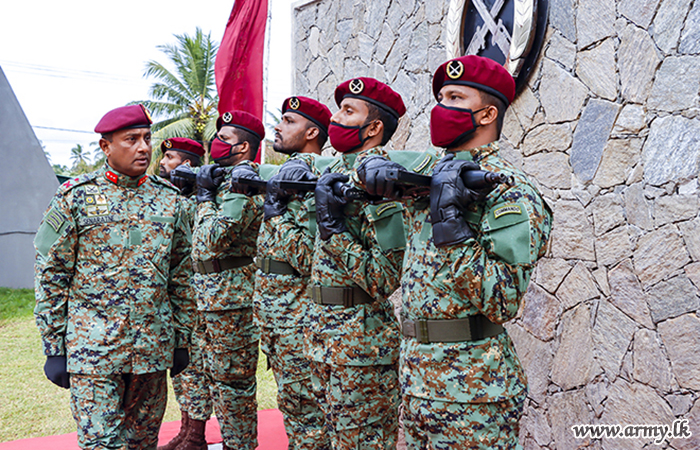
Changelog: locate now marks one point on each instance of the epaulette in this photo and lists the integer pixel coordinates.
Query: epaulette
(163, 182)
(77, 181)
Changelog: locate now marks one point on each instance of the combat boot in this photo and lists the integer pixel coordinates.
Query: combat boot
(195, 439)
(177, 440)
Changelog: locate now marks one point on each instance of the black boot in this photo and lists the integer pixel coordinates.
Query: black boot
(172, 445)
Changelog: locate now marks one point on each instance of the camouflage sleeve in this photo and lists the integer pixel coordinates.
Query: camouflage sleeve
(180, 289)
(373, 269)
(494, 270)
(219, 225)
(293, 228)
(56, 245)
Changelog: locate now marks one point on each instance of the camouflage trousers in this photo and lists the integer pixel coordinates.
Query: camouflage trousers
(434, 424)
(303, 419)
(232, 355)
(120, 411)
(361, 404)
(193, 385)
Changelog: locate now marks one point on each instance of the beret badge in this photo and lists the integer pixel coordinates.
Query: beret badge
(454, 69)
(227, 117)
(168, 144)
(356, 86)
(294, 103)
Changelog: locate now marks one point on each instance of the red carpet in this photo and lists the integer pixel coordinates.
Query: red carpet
(271, 435)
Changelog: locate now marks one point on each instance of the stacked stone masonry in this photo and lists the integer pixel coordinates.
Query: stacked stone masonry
(608, 126)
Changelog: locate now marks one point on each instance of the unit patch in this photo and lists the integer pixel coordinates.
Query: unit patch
(508, 209)
(91, 189)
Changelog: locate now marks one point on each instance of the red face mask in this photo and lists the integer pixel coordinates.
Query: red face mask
(449, 125)
(344, 138)
(221, 149)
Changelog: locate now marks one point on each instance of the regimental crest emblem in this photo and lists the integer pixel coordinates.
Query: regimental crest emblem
(227, 117)
(294, 103)
(455, 69)
(510, 32)
(356, 86)
(167, 144)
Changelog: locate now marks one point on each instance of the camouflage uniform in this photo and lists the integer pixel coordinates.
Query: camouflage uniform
(355, 349)
(282, 306)
(192, 386)
(225, 235)
(470, 394)
(112, 288)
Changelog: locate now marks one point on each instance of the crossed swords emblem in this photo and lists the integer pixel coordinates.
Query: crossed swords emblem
(356, 86)
(499, 32)
(294, 103)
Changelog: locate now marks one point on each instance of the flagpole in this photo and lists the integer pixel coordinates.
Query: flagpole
(266, 79)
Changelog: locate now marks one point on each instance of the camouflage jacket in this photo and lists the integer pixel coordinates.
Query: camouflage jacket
(368, 255)
(112, 274)
(223, 229)
(487, 275)
(282, 301)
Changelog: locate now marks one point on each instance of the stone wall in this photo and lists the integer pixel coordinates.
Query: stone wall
(609, 128)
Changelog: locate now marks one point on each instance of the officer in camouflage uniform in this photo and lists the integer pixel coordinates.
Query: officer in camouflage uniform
(223, 247)
(468, 262)
(354, 340)
(192, 386)
(113, 303)
(285, 248)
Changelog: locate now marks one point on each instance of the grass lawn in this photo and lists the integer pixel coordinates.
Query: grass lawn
(30, 405)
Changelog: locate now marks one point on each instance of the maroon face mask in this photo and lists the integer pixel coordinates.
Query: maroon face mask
(221, 149)
(449, 125)
(344, 138)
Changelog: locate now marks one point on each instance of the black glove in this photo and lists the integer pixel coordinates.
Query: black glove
(276, 198)
(56, 371)
(181, 358)
(448, 199)
(330, 217)
(240, 171)
(372, 173)
(208, 181)
(184, 178)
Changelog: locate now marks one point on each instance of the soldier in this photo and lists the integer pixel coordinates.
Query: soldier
(113, 303)
(468, 262)
(192, 386)
(223, 247)
(285, 248)
(354, 343)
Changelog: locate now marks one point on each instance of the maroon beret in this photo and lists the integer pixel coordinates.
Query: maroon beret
(132, 116)
(477, 72)
(242, 120)
(373, 91)
(182, 145)
(315, 111)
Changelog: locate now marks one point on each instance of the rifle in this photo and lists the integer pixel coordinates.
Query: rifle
(342, 189)
(473, 179)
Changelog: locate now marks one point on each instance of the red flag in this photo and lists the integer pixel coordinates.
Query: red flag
(239, 62)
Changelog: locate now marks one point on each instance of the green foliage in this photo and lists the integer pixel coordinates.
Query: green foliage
(16, 303)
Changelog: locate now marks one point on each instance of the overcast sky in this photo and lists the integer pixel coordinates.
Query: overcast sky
(71, 61)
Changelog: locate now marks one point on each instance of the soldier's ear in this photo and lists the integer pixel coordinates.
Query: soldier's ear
(311, 133)
(105, 146)
(489, 116)
(376, 128)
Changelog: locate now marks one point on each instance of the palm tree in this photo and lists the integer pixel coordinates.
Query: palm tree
(184, 100)
(79, 157)
(98, 156)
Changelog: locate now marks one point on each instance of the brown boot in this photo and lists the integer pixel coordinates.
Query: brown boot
(172, 445)
(195, 439)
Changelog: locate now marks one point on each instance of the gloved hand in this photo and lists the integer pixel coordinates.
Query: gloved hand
(56, 371)
(372, 173)
(208, 181)
(276, 198)
(244, 171)
(448, 199)
(181, 358)
(330, 217)
(184, 178)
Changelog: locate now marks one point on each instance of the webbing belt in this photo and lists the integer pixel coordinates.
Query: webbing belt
(471, 328)
(219, 265)
(343, 296)
(269, 265)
